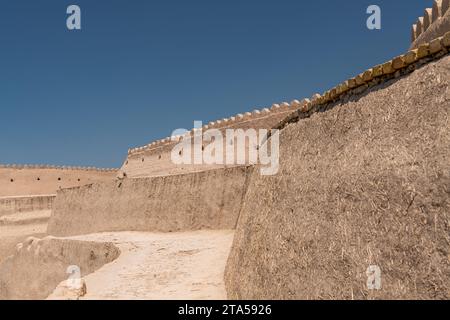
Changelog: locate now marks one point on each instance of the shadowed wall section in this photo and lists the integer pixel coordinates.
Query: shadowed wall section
(203, 200)
(364, 183)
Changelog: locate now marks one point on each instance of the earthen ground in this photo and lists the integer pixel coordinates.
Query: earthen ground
(186, 265)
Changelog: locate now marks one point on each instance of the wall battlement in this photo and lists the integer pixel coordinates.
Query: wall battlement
(361, 183)
(434, 23)
(236, 121)
(155, 159)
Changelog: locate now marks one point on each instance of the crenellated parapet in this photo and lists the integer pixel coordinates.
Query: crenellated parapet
(434, 23)
(235, 121)
(44, 166)
(377, 75)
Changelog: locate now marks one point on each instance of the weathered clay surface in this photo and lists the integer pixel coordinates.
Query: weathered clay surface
(202, 200)
(11, 205)
(38, 266)
(155, 159)
(365, 183)
(46, 180)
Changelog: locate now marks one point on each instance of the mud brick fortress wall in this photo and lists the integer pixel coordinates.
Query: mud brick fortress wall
(155, 158)
(203, 200)
(10, 205)
(46, 180)
(364, 180)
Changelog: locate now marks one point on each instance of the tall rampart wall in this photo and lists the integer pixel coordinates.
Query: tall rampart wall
(362, 190)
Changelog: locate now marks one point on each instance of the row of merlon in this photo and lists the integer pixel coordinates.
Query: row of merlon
(242, 117)
(430, 16)
(30, 166)
(388, 68)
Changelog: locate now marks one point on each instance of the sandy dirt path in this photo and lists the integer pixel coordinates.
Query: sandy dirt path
(187, 265)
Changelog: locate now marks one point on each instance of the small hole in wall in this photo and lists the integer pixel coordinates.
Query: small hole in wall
(203, 148)
(159, 157)
(79, 180)
(59, 179)
(180, 153)
(12, 180)
(38, 179)
(143, 159)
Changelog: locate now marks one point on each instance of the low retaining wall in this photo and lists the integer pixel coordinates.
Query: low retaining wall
(39, 266)
(10, 205)
(202, 200)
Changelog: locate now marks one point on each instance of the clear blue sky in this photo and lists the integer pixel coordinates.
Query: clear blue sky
(139, 69)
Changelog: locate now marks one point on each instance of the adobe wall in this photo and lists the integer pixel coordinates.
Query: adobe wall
(44, 180)
(433, 24)
(204, 200)
(364, 180)
(155, 158)
(10, 205)
(39, 266)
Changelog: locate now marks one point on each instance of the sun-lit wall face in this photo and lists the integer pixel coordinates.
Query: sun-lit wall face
(42, 180)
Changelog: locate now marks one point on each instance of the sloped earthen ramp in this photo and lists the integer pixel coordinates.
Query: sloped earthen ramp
(366, 183)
